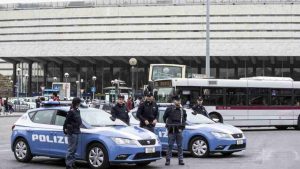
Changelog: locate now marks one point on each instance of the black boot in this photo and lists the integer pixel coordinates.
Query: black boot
(167, 162)
(181, 162)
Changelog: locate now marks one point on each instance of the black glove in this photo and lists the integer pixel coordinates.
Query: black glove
(112, 118)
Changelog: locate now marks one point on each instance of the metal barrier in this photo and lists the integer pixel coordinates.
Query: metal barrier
(101, 3)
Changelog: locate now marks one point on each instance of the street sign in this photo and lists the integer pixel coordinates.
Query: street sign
(93, 89)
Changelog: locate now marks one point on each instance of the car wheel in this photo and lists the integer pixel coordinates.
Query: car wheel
(143, 164)
(216, 117)
(22, 151)
(97, 156)
(281, 127)
(199, 147)
(226, 154)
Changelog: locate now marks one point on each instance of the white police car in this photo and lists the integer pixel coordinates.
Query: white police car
(202, 136)
(102, 141)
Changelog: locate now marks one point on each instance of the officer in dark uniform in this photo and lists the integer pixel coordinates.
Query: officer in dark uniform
(120, 111)
(199, 108)
(72, 129)
(147, 113)
(175, 119)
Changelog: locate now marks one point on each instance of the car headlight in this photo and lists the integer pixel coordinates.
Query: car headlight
(221, 135)
(123, 141)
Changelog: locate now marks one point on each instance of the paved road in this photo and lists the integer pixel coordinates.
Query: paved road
(267, 149)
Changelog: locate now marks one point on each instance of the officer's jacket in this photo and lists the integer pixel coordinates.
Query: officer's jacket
(147, 111)
(120, 112)
(73, 121)
(175, 117)
(199, 109)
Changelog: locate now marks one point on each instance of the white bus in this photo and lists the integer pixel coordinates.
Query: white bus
(257, 101)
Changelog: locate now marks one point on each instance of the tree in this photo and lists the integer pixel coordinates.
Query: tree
(5, 86)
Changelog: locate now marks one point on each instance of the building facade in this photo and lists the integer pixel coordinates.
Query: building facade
(97, 38)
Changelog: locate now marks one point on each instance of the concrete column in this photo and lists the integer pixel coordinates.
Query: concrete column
(146, 73)
(14, 78)
(78, 85)
(217, 71)
(29, 82)
(111, 71)
(199, 68)
(45, 68)
(61, 78)
(236, 71)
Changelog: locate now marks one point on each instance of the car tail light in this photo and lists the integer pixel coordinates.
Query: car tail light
(12, 128)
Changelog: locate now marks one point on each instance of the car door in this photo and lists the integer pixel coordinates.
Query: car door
(40, 132)
(161, 131)
(60, 144)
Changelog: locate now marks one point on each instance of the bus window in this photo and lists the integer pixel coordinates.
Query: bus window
(213, 96)
(236, 96)
(281, 96)
(297, 97)
(258, 96)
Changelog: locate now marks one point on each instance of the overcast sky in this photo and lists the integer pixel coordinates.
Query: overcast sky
(30, 1)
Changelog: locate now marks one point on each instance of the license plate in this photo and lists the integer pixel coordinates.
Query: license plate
(238, 142)
(150, 150)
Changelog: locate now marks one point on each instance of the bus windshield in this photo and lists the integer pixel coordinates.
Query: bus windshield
(165, 72)
(164, 95)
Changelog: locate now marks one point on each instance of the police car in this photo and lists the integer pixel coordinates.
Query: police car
(102, 141)
(202, 135)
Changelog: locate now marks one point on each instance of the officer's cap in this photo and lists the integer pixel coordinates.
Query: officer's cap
(200, 98)
(149, 94)
(120, 96)
(76, 101)
(177, 98)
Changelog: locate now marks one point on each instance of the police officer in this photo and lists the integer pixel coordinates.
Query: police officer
(199, 108)
(147, 113)
(120, 111)
(72, 129)
(175, 118)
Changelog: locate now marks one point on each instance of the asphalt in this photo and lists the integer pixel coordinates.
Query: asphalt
(267, 148)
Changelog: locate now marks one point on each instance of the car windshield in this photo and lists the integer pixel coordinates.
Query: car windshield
(99, 118)
(198, 119)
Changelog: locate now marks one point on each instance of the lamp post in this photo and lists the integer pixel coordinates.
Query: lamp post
(94, 87)
(12, 85)
(18, 83)
(132, 62)
(26, 83)
(66, 78)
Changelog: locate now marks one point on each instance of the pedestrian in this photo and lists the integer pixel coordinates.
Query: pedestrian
(138, 101)
(1, 105)
(129, 104)
(38, 102)
(72, 129)
(175, 119)
(147, 113)
(199, 108)
(6, 107)
(55, 97)
(120, 111)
